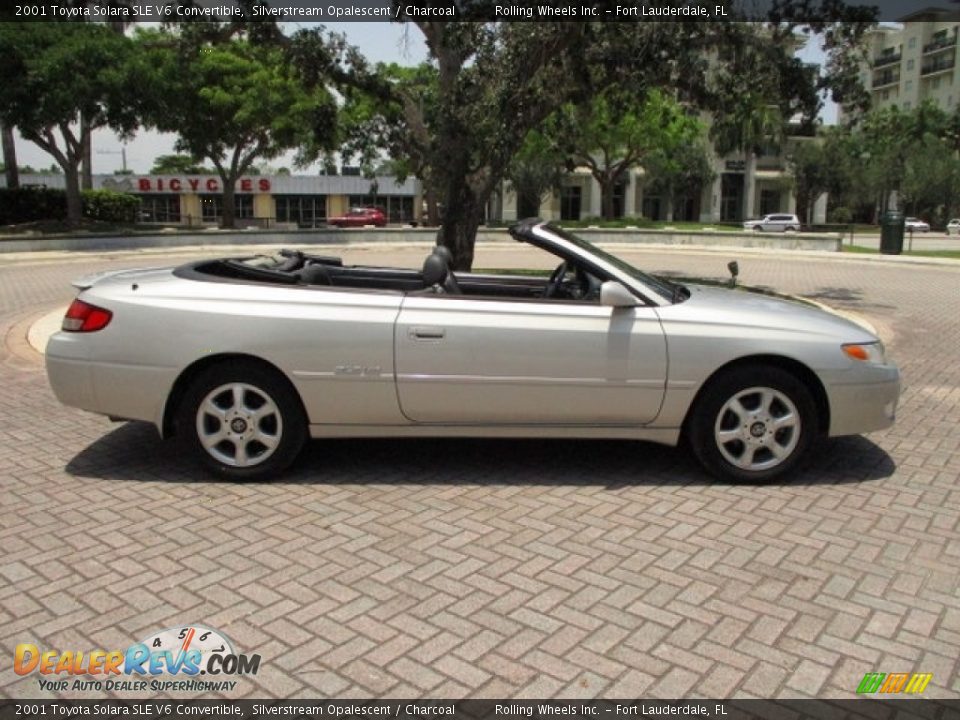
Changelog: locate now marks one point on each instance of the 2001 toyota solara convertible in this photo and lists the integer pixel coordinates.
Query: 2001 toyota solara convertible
(248, 357)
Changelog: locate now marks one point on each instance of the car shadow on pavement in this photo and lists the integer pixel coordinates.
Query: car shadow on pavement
(133, 452)
(847, 298)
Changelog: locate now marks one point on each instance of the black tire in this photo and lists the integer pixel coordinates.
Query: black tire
(768, 445)
(270, 436)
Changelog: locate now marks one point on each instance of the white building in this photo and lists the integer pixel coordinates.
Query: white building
(914, 62)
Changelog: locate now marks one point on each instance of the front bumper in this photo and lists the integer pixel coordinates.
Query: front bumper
(864, 403)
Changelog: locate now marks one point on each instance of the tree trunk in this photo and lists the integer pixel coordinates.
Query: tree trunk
(86, 180)
(74, 201)
(10, 156)
(229, 204)
(606, 197)
(463, 213)
(668, 205)
(433, 209)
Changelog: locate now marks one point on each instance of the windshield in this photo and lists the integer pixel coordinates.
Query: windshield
(662, 287)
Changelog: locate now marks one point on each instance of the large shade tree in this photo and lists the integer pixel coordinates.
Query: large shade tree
(54, 74)
(616, 131)
(232, 102)
(498, 81)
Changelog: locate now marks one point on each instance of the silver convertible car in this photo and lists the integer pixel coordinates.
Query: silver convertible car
(246, 358)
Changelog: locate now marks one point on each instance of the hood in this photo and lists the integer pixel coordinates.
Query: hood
(743, 308)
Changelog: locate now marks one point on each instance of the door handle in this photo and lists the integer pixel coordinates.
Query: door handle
(421, 332)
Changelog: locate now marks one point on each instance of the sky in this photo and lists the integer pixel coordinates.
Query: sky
(379, 42)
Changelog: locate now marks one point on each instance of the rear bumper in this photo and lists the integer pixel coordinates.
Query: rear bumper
(867, 404)
(135, 392)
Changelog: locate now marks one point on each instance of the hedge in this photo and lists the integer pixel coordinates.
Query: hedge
(27, 204)
(110, 206)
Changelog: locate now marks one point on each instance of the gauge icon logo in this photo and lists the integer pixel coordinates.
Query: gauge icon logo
(192, 649)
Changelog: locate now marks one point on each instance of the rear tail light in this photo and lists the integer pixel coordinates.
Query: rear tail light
(84, 317)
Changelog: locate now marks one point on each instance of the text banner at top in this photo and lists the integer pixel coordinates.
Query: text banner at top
(488, 10)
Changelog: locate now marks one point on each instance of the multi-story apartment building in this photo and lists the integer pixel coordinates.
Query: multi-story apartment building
(914, 62)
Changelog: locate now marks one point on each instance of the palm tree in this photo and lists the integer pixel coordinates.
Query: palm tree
(749, 126)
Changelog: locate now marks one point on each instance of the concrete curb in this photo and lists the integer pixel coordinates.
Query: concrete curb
(220, 250)
(336, 236)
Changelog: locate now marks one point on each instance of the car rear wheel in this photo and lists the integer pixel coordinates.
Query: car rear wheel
(753, 423)
(243, 420)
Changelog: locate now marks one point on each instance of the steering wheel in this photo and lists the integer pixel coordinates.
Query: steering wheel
(556, 278)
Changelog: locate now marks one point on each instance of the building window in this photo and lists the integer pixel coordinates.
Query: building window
(909, 65)
(571, 197)
(211, 207)
(769, 201)
(935, 83)
(885, 95)
(908, 86)
(307, 211)
(619, 196)
(906, 105)
(912, 43)
(160, 208)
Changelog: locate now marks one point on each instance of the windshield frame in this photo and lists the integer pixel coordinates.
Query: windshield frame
(655, 290)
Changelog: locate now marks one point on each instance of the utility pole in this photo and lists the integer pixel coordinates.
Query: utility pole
(122, 152)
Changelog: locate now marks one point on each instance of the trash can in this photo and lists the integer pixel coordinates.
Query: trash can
(891, 233)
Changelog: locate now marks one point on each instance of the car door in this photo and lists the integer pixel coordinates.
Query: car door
(773, 222)
(510, 361)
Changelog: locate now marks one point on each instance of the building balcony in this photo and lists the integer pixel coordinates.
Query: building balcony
(939, 44)
(885, 80)
(932, 68)
(888, 59)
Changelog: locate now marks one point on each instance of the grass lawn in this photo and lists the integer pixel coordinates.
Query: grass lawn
(645, 224)
(53, 227)
(955, 254)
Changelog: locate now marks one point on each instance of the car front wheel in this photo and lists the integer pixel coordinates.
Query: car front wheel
(753, 424)
(243, 421)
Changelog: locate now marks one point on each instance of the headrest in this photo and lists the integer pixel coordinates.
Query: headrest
(315, 274)
(444, 252)
(434, 270)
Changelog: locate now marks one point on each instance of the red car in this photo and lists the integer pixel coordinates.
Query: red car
(360, 216)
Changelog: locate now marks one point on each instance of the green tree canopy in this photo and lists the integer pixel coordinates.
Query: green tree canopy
(495, 82)
(179, 165)
(231, 102)
(617, 131)
(55, 73)
(678, 172)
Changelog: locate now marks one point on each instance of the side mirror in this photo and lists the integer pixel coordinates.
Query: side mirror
(614, 294)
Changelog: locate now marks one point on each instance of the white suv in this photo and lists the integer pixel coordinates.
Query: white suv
(777, 223)
(953, 227)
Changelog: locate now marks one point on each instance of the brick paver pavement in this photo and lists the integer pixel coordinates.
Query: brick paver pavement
(502, 568)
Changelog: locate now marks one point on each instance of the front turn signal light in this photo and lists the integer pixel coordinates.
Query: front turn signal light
(865, 352)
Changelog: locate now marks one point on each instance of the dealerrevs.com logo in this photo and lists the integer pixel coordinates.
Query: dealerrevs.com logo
(169, 660)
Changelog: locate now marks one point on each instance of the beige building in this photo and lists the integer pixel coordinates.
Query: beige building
(914, 62)
(745, 186)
